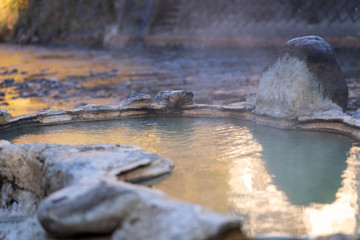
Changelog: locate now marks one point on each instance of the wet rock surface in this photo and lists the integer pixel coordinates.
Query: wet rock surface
(304, 78)
(127, 210)
(172, 99)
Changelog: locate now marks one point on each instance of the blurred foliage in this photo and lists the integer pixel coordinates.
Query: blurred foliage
(10, 10)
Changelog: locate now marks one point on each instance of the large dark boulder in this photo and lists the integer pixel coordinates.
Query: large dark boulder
(302, 79)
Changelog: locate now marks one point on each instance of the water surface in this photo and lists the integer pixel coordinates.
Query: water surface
(284, 183)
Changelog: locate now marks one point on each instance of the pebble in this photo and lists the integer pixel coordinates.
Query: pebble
(8, 80)
(13, 71)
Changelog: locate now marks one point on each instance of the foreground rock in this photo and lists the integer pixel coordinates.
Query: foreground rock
(129, 210)
(87, 198)
(304, 78)
(29, 172)
(100, 162)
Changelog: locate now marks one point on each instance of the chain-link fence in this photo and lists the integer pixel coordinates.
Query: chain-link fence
(116, 22)
(257, 18)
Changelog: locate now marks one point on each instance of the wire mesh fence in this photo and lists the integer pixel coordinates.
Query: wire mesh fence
(259, 18)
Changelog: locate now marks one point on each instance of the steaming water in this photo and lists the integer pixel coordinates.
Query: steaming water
(284, 183)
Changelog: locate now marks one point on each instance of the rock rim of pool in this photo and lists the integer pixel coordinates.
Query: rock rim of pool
(333, 120)
(33, 176)
(60, 175)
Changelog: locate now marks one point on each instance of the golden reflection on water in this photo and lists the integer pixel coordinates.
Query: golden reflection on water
(61, 64)
(221, 166)
(58, 63)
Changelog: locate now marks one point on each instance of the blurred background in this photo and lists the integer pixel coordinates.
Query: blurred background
(101, 51)
(179, 22)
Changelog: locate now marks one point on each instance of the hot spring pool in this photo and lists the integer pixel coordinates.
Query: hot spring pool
(283, 182)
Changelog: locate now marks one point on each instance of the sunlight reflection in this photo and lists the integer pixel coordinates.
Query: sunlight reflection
(253, 191)
(341, 215)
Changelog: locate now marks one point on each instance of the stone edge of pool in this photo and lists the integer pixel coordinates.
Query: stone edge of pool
(49, 188)
(173, 103)
(333, 121)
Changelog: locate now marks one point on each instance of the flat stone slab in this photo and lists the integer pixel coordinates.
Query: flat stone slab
(29, 172)
(126, 210)
(100, 162)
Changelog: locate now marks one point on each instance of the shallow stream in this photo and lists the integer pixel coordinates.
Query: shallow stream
(283, 182)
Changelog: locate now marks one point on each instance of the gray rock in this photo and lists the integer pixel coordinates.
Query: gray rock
(72, 164)
(8, 81)
(85, 209)
(251, 99)
(134, 211)
(173, 99)
(51, 112)
(21, 178)
(338, 236)
(4, 142)
(138, 101)
(4, 116)
(28, 172)
(303, 78)
(356, 115)
(91, 107)
(27, 230)
(250, 102)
